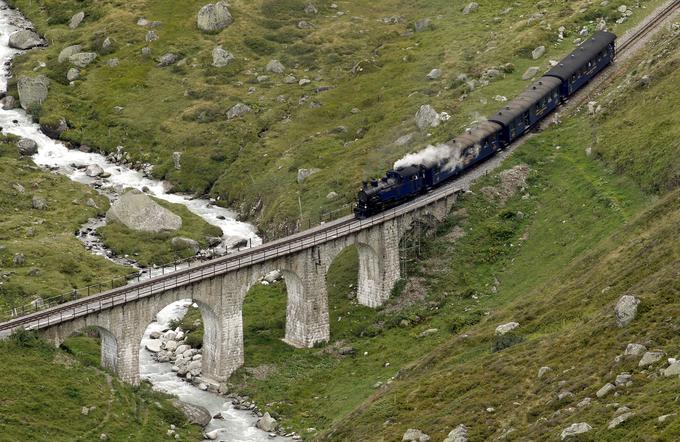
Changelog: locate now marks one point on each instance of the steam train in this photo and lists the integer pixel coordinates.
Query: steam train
(500, 130)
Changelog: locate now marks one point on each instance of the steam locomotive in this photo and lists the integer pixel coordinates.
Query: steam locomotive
(501, 129)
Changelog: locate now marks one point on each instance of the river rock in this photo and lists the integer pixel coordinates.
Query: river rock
(221, 58)
(154, 346)
(68, 51)
(214, 17)
(626, 310)
(76, 20)
(458, 434)
(181, 243)
(170, 345)
(94, 170)
(24, 39)
(155, 335)
(82, 59)
(275, 66)
(427, 117)
(195, 367)
(267, 423)
(8, 102)
(196, 414)
(182, 348)
(415, 435)
(27, 147)
(32, 90)
(574, 430)
(137, 211)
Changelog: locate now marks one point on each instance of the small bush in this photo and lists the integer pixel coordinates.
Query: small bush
(505, 341)
(25, 338)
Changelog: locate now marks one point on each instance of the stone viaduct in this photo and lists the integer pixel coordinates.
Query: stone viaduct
(219, 287)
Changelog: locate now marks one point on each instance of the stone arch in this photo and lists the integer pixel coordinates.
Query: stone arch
(370, 276)
(109, 342)
(211, 330)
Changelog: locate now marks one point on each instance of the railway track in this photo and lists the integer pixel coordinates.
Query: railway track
(283, 246)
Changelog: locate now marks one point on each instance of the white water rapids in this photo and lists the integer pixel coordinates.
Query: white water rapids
(237, 425)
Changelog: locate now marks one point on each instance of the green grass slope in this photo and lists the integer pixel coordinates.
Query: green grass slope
(376, 72)
(45, 392)
(555, 258)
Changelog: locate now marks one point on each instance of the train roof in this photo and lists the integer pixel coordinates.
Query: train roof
(525, 100)
(476, 134)
(581, 55)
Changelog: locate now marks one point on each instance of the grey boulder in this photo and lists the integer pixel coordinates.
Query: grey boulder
(137, 211)
(275, 66)
(221, 58)
(82, 59)
(32, 90)
(27, 147)
(182, 243)
(68, 51)
(626, 310)
(238, 110)
(76, 20)
(267, 423)
(214, 17)
(24, 39)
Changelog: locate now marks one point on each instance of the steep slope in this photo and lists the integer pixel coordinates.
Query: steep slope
(47, 394)
(366, 64)
(544, 258)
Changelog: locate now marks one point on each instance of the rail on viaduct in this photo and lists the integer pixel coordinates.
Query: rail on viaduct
(219, 288)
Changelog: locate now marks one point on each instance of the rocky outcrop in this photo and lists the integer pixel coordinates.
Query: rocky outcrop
(415, 435)
(267, 423)
(506, 328)
(238, 110)
(82, 59)
(76, 20)
(626, 310)
(137, 211)
(214, 17)
(275, 66)
(195, 414)
(25, 39)
(32, 91)
(427, 117)
(221, 58)
(574, 430)
(27, 147)
(458, 434)
(182, 243)
(68, 51)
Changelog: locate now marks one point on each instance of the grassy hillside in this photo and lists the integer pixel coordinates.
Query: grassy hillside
(54, 260)
(365, 52)
(48, 394)
(554, 258)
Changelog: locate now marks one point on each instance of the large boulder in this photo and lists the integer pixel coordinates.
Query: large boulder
(8, 102)
(181, 243)
(27, 147)
(196, 414)
(82, 59)
(267, 423)
(32, 90)
(24, 39)
(214, 17)
(506, 328)
(137, 211)
(626, 310)
(427, 117)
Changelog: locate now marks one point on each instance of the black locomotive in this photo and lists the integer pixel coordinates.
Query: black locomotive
(502, 128)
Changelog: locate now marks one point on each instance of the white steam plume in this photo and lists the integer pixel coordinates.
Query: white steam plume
(445, 155)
